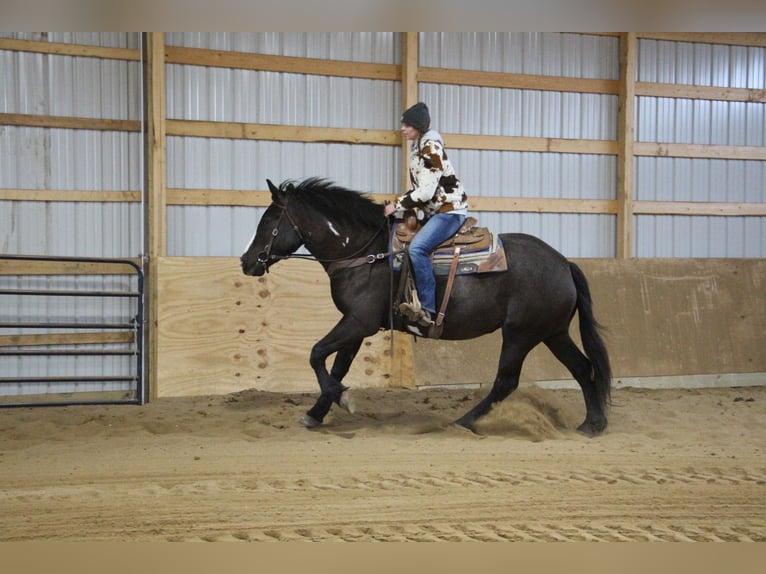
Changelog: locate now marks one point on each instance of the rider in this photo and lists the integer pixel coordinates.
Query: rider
(438, 199)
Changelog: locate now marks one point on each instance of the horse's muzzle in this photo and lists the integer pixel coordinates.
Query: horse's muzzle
(253, 268)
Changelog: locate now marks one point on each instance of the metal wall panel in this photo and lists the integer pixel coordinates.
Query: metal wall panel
(40, 158)
(231, 164)
(531, 113)
(545, 53)
(198, 93)
(377, 47)
(678, 120)
(64, 159)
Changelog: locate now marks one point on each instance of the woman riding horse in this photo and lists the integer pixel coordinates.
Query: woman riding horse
(437, 196)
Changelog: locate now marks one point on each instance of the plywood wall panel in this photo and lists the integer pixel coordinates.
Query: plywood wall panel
(221, 331)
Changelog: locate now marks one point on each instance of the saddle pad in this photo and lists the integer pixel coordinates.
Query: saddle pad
(489, 260)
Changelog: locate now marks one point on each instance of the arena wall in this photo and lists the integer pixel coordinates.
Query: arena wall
(671, 320)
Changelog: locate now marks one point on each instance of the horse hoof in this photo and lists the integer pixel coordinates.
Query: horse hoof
(346, 402)
(309, 422)
(591, 429)
(465, 425)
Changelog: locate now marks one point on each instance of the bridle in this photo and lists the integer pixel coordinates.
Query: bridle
(265, 256)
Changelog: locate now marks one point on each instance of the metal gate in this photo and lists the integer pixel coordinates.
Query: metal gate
(74, 337)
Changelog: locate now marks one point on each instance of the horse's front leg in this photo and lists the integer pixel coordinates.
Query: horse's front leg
(345, 339)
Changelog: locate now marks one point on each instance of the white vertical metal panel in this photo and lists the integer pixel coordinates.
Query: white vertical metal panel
(40, 158)
(531, 113)
(677, 120)
(197, 93)
(228, 164)
(376, 47)
(216, 94)
(546, 53)
(37, 158)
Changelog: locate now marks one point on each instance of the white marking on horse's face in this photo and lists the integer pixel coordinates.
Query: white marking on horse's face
(332, 228)
(345, 243)
(249, 243)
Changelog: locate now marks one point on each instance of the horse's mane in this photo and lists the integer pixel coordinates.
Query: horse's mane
(336, 202)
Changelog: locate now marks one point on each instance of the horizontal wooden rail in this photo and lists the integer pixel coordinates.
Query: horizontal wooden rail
(26, 267)
(67, 122)
(516, 81)
(69, 195)
(272, 132)
(530, 144)
(699, 151)
(95, 338)
(284, 64)
(757, 39)
(64, 49)
(698, 208)
(262, 198)
(691, 92)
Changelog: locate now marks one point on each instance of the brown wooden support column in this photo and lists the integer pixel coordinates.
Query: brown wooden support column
(155, 218)
(625, 139)
(402, 369)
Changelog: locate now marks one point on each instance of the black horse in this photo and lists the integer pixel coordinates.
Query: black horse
(533, 301)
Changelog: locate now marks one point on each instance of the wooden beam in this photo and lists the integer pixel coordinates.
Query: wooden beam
(284, 64)
(64, 122)
(625, 138)
(700, 92)
(410, 48)
(543, 205)
(757, 39)
(516, 81)
(155, 208)
(654, 149)
(699, 208)
(65, 339)
(20, 267)
(231, 197)
(69, 195)
(63, 49)
(529, 144)
(271, 132)
(262, 198)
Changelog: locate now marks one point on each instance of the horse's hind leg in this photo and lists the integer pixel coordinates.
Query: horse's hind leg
(507, 380)
(566, 351)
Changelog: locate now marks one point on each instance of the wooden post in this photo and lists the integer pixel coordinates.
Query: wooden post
(625, 139)
(155, 217)
(409, 94)
(402, 369)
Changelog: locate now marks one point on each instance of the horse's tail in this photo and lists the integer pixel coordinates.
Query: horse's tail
(592, 342)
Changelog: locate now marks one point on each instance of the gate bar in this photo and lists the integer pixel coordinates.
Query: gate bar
(136, 325)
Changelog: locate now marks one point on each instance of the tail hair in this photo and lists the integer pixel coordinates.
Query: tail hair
(593, 344)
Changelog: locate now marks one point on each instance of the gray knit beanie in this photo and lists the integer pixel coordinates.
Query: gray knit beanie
(418, 117)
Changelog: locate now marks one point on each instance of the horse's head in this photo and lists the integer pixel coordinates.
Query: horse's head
(276, 236)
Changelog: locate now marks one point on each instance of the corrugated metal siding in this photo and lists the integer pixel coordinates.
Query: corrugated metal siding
(229, 164)
(531, 113)
(677, 120)
(60, 159)
(40, 158)
(198, 93)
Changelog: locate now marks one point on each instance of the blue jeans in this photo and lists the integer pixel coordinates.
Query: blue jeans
(437, 229)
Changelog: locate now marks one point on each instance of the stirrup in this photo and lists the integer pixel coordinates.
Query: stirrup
(416, 314)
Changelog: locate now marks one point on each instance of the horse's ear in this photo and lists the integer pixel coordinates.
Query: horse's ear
(275, 192)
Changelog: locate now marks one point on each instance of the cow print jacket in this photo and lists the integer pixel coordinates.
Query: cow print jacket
(435, 187)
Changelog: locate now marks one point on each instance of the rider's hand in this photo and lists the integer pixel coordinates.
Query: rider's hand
(389, 209)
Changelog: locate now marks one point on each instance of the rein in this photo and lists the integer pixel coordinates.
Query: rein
(335, 263)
